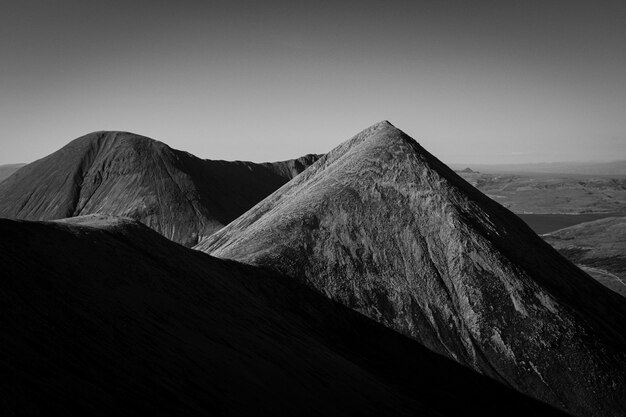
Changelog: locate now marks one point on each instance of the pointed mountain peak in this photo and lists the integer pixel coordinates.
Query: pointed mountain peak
(382, 142)
(384, 227)
(384, 124)
(378, 131)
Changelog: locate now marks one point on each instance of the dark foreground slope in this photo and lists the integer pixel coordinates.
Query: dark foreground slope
(106, 317)
(118, 173)
(383, 227)
(599, 247)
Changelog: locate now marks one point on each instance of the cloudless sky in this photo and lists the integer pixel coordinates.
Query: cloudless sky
(472, 81)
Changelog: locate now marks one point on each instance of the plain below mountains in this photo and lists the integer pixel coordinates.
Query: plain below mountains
(383, 227)
(104, 317)
(118, 173)
(553, 194)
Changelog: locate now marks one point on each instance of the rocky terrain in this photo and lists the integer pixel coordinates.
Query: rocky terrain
(383, 227)
(103, 316)
(118, 173)
(599, 247)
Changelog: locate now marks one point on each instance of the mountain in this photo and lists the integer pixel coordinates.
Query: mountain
(103, 316)
(383, 227)
(119, 173)
(599, 247)
(8, 170)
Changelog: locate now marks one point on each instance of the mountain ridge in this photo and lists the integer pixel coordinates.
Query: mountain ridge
(121, 173)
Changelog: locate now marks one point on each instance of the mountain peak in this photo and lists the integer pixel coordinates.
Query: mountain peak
(125, 174)
(379, 130)
(382, 226)
(381, 141)
(383, 124)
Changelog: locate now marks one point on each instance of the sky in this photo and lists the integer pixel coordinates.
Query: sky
(472, 81)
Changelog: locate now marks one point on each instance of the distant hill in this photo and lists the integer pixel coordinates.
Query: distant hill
(383, 227)
(104, 317)
(8, 170)
(599, 247)
(119, 173)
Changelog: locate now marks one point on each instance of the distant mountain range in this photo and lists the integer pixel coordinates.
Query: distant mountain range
(372, 280)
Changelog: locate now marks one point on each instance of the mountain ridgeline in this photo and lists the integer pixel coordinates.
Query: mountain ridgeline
(372, 280)
(385, 228)
(118, 173)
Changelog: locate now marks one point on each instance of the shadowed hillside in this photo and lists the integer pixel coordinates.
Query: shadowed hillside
(103, 316)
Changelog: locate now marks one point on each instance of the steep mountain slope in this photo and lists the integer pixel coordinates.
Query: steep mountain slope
(118, 173)
(385, 228)
(599, 247)
(103, 316)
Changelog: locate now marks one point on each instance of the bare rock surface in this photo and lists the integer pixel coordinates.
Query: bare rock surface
(383, 227)
(103, 316)
(118, 173)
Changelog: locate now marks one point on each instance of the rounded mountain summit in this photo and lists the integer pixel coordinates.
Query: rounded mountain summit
(119, 173)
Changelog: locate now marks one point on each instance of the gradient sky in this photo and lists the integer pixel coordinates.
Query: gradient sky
(472, 81)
